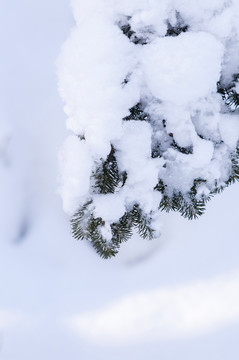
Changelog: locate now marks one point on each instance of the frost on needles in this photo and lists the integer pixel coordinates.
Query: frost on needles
(151, 92)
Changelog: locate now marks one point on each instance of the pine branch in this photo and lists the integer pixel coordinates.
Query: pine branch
(107, 176)
(79, 221)
(186, 204)
(126, 29)
(137, 113)
(184, 150)
(104, 248)
(232, 99)
(178, 28)
(235, 168)
(122, 230)
(192, 209)
(86, 227)
(229, 94)
(142, 222)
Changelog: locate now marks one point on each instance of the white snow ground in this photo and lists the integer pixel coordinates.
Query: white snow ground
(55, 291)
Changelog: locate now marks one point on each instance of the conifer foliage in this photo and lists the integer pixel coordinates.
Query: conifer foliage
(106, 179)
(154, 107)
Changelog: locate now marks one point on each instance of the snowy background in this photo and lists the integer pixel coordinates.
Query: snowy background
(175, 298)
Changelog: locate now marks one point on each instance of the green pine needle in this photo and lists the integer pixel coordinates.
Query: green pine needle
(107, 176)
(86, 227)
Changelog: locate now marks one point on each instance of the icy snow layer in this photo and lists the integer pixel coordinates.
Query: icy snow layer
(123, 52)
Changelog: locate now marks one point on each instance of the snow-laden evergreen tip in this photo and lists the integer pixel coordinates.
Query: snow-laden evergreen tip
(151, 91)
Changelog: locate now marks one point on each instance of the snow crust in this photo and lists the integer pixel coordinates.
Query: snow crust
(102, 74)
